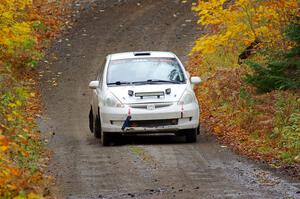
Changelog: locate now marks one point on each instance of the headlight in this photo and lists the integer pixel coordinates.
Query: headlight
(187, 98)
(112, 101)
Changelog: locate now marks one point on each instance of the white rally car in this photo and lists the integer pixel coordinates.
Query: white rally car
(143, 93)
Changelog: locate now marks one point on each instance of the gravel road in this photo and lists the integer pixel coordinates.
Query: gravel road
(136, 167)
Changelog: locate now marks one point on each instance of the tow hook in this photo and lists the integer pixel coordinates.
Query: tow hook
(126, 122)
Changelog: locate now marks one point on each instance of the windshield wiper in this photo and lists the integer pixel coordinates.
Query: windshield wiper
(118, 83)
(153, 81)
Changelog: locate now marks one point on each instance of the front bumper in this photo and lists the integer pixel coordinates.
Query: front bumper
(112, 119)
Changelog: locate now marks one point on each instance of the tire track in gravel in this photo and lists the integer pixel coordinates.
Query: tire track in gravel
(165, 167)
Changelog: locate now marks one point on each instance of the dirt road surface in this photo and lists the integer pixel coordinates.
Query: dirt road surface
(138, 167)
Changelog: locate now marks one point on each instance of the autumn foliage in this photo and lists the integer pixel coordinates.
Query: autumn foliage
(26, 28)
(232, 25)
(261, 126)
(20, 146)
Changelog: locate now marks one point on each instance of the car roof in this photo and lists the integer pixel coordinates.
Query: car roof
(141, 54)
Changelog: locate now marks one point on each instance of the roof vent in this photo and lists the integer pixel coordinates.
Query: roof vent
(142, 54)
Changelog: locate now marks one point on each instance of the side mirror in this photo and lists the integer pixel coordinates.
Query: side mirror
(94, 84)
(195, 80)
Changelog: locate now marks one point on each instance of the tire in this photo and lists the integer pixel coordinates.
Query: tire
(97, 127)
(105, 138)
(191, 136)
(91, 120)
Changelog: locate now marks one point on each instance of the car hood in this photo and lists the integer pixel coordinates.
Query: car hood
(121, 92)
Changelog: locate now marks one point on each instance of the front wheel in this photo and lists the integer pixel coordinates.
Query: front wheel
(97, 127)
(191, 135)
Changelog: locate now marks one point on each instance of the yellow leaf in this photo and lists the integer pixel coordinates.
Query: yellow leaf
(4, 148)
(217, 130)
(10, 118)
(18, 103)
(12, 105)
(33, 196)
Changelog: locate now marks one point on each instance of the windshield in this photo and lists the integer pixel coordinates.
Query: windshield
(144, 70)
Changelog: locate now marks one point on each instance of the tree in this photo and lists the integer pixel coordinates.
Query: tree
(232, 26)
(283, 74)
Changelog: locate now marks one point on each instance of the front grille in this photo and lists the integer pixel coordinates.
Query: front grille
(153, 123)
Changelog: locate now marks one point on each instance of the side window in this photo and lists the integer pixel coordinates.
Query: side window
(100, 73)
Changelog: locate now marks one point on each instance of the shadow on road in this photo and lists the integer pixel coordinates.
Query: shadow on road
(121, 140)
